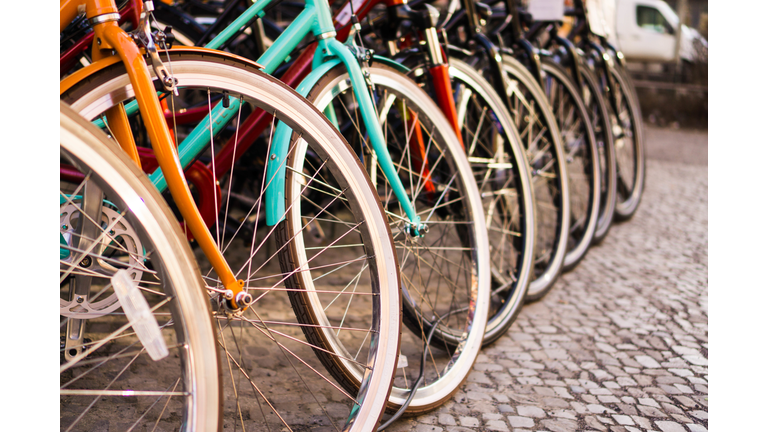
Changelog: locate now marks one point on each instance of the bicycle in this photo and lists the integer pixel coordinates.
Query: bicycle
(575, 62)
(567, 78)
(624, 108)
(258, 310)
(431, 162)
(525, 98)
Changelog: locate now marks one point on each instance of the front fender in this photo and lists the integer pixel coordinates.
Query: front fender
(104, 63)
(278, 152)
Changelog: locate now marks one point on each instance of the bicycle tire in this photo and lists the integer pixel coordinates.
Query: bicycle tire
(630, 157)
(340, 176)
(553, 203)
(444, 159)
(137, 233)
(601, 123)
(501, 170)
(582, 159)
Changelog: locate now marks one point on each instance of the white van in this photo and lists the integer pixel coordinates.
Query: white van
(646, 30)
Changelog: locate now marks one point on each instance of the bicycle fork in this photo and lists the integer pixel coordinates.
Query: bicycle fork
(328, 54)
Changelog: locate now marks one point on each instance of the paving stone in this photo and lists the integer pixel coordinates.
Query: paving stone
(446, 420)
(562, 392)
(670, 380)
(428, 419)
(623, 419)
(497, 425)
(642, 422)
(670, 389)
(699, 414)
(696, 359)
(671, 409)
(506, 409)
(608, 399)
(681, 418)
(668, 426)
(594, 423)
(469, 421)
(599, 409)
(627, 409)
(683, 388)
(693, 427)
(650, 411)
(544, 391)
(531, 411)
(643, 380)
(626, 381)
(560, 425)
(427, 428)
(516, 421)
(647, 362)
(579, 407)
(605, 420)
(569, 414)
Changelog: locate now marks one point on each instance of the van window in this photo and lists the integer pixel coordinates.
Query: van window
(651, 19)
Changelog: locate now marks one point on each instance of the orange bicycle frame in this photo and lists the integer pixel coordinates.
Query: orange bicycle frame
(110, 40)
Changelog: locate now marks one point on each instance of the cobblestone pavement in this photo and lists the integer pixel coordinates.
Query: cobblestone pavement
(621, 342)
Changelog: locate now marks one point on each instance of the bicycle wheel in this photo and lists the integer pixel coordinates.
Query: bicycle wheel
(332, 250)
(445, 274)
(582, 159)
(628, 140)
(543, 142)
(599, 115)
(501, 171)
(115, 231)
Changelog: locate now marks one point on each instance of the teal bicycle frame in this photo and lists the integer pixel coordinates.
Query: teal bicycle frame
(315, 18)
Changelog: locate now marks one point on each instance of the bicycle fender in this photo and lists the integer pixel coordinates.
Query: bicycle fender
(98, 65)
(278, 152)
(391, 63)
